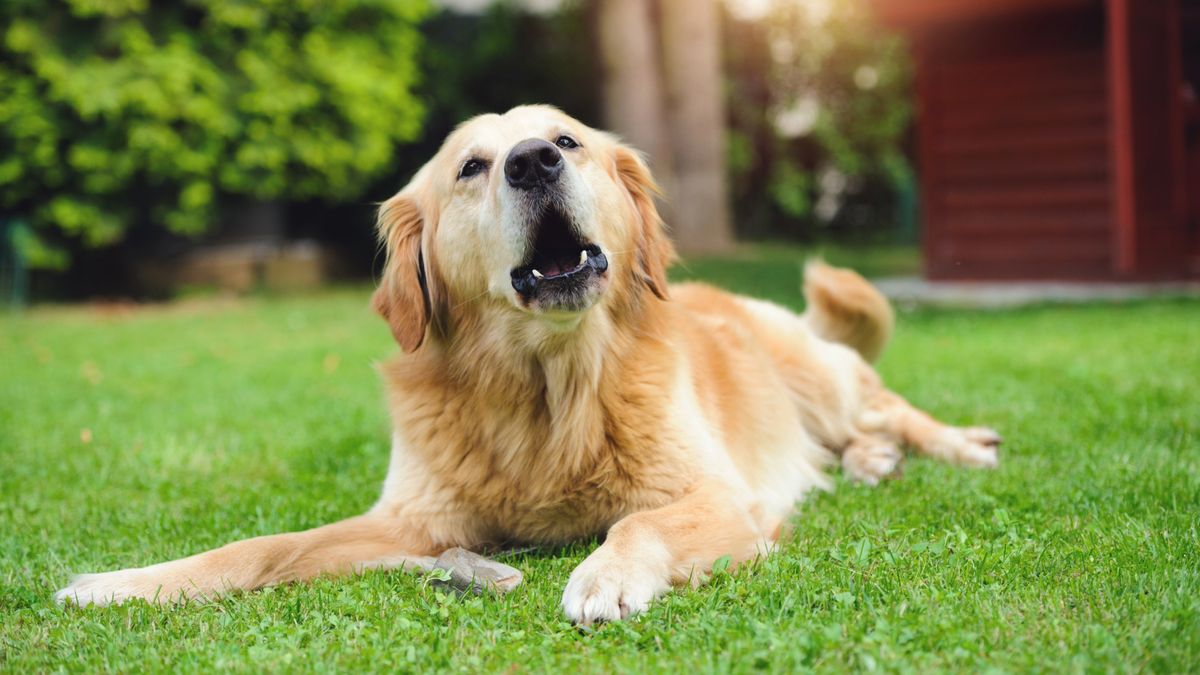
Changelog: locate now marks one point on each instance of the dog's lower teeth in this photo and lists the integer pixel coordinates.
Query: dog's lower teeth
(582, 258)
(537, 274)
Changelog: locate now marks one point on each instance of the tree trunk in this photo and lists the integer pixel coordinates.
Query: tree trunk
(633, 92)
(691, 54)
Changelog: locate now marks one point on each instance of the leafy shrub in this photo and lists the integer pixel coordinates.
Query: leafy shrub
(118, 113)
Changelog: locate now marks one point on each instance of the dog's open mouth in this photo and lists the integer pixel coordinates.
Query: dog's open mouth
(560, 265)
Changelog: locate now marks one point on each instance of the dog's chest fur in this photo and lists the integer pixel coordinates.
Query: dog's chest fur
(548, 463)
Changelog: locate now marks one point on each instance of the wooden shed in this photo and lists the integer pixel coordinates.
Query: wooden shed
(1057, 139)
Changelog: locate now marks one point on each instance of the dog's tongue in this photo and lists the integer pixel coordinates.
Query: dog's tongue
(557, 266)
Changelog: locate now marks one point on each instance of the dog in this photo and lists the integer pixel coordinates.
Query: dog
(553, 386)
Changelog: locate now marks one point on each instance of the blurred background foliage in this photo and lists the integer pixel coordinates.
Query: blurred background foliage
(820, 111)
(129, 129)
(116, 114)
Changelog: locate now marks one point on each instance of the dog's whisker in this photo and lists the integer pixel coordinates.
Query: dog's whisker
(469, 300)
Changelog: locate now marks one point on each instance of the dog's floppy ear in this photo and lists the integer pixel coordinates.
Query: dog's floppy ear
(403, 294)
(655, 251)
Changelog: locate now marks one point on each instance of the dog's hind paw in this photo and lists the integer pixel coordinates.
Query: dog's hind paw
(970, 446)
(871, 462)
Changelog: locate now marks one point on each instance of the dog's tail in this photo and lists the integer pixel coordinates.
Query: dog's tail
(843, 307)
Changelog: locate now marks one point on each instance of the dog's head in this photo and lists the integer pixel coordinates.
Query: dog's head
(530, 211)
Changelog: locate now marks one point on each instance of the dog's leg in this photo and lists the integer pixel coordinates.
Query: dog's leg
(647, 552)
(891, 415)
(345, 547)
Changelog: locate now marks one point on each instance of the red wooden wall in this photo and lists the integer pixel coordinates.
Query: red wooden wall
(1054, 137)
(1190, 50)
(1014, 154)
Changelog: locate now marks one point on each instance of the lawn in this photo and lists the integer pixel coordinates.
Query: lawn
(132, 436)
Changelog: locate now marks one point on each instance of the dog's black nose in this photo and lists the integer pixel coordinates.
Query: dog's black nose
(532, 163)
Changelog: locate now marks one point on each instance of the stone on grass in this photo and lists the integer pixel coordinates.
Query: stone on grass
(473, 573)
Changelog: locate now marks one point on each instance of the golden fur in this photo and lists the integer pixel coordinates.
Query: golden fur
(683, 422)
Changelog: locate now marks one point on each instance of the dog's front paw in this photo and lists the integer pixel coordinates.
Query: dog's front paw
(111, 588)
(608, 587)
(971, 446)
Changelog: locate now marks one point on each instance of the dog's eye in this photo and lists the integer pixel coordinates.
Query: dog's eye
(566, 142)
(471, 167)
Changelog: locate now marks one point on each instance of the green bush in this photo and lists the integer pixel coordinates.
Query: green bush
(117, 113)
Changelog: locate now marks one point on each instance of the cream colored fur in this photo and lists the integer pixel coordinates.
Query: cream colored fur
(683, 423)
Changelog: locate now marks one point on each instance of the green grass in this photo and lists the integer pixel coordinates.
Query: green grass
(213, 421)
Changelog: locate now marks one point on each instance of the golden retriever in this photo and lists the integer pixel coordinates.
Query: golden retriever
(553, 387)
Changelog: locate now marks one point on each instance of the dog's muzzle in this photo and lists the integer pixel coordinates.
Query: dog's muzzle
(562, 268)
